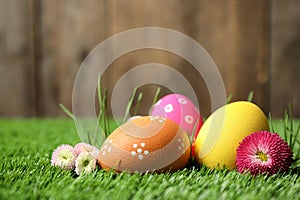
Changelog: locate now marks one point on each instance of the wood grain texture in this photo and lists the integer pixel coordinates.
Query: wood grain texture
(42, 44)
(236, 34)
(285, 56)
(176, 15)
(16, 73)
(70, 30)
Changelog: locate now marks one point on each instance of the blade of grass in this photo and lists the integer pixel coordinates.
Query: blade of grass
(271, 123)
(296, 165)
(291, 121)
(107, 126)
(156, 96)
(100, 114)
(296, 137)
(104, 104)
(229, 99)
(285, 122)
(102, 118)
(139, 100)
(89, 136)
(99, 91)
(68, 112)
(250, 96)
(194, 131)
(297, 155)
(98, 127)
(129, 105)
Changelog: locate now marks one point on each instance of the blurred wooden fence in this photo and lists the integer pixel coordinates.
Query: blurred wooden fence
(255, 44)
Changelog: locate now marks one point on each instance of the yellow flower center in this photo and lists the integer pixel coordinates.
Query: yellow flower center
(262, 156)
(86, 162)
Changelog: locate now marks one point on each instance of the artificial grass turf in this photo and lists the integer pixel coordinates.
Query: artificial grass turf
(26, 173)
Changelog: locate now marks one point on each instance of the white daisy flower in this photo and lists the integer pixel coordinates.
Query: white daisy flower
(85, 163)
(84, 147)
(64, 157)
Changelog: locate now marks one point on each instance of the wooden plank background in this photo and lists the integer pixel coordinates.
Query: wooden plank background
(285, 60)
(255, 44)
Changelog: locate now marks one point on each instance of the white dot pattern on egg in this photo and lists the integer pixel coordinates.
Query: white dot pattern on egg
(106, 147)
(179, 109)
(169, 108)
(139, 151)
(182, 101)
(189, 119)
(160, 119)
(181, 145)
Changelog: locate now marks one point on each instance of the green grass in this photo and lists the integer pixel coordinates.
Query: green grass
(26, 173)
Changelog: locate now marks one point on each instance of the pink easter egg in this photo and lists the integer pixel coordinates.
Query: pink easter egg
(180, 109)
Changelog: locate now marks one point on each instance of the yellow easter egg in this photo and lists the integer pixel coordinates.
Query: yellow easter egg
(222, 132)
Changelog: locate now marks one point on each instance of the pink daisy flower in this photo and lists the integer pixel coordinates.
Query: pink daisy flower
(84, 147)
(85, 163)
(64, 157)
(263, 153)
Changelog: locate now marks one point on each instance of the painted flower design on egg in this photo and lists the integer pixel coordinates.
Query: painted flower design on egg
(139, 150)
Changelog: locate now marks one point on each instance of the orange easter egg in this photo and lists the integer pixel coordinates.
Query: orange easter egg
(146, 144)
